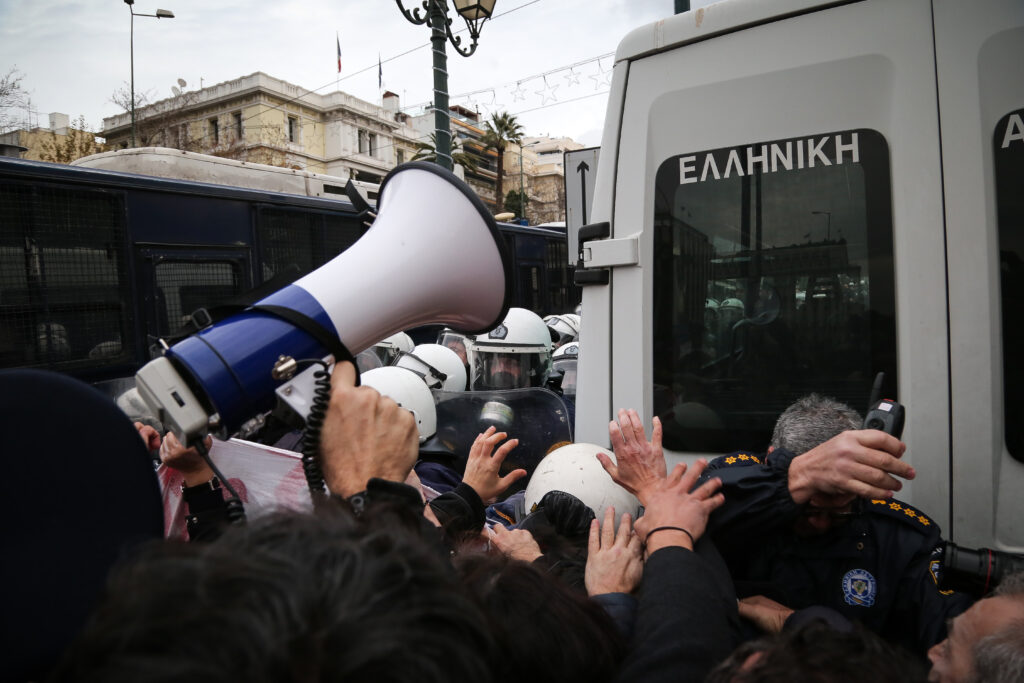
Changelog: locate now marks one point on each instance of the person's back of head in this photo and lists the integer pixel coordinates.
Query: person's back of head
(817, 653)
(811, 421)
(287, 597)
(545, 631)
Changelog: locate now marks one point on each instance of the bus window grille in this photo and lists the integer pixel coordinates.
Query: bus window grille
(64, 294)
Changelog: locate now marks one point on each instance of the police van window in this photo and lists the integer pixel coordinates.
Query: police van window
(773, 278)
(185, 286)
(64, 296)
(1008, 142)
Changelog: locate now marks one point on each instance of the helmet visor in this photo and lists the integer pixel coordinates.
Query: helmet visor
(509, 370)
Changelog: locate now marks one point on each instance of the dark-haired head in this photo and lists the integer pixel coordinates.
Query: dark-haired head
(289, 597)
(545, 631)
(817, 653)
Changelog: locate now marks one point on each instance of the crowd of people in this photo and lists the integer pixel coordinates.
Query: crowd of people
(794, 564)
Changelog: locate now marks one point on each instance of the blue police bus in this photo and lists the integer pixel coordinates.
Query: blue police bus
(96, 266)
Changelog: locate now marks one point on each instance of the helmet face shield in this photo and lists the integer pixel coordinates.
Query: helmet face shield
(507, 369)
(567, 366)
(454, 341)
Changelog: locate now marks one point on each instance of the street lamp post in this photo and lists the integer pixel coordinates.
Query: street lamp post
(475, 12)
(828, 222)
(160, 14)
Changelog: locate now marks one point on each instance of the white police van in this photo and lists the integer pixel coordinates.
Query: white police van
(795, 195)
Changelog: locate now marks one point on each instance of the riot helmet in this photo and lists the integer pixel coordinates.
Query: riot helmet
(564, 361)
(575, 469)
(515, 354)
(566, 328)
(407, 389)
(438, 366)
(388, 349)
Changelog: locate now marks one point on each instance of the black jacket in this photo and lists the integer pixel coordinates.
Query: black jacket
(878, 567)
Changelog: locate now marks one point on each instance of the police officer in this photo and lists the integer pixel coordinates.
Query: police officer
(814, 523)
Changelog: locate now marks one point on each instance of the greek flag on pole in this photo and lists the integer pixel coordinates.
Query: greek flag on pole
(338, 38)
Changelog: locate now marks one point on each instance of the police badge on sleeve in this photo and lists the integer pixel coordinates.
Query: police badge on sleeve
(859, 588)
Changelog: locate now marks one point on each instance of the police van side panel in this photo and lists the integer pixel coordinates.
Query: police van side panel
(980, 75)
(789, 166)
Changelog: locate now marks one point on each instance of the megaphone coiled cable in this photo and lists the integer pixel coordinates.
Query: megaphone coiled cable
(311, 439)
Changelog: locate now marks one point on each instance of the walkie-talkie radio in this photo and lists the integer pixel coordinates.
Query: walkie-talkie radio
(884, 414)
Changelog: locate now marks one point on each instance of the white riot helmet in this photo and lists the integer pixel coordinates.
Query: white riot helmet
(438, 366)
(564, 360)
(575, 469)
(566, 326)
(388, 349)
(407, 390)
(515, 354)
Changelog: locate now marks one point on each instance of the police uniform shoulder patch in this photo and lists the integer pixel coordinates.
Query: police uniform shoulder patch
(859, 588)
(890, 507)
(735, 459)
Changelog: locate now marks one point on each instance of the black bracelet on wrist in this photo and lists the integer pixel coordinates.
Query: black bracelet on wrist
(670, 528)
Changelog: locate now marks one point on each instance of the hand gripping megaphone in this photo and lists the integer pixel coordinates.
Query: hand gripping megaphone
(433, 255)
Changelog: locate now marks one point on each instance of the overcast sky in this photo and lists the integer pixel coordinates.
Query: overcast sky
(74, 55)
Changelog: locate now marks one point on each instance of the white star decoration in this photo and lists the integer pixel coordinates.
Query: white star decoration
(572, 78)
(548, 92)
(518, 93)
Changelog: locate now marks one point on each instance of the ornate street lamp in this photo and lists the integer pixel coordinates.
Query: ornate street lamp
(435, 14)
(160, 14)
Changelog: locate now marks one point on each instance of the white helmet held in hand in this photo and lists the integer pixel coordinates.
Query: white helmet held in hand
(515, 354)
(575, 469)
(407, 389)
(439, 366)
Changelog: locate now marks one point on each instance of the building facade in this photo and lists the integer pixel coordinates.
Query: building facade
(262, 119)
(60, 142)
(265, 120)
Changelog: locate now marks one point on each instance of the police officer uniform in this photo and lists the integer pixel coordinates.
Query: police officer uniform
(876, 566)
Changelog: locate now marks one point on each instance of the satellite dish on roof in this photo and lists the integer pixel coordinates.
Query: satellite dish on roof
(181, 82)
(175, 90)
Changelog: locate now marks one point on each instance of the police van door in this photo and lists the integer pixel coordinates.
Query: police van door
(778, 164)
(980, 74)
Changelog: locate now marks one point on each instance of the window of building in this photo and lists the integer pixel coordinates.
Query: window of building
(373, 144)
(1008, 143)
(237, 119)
(364, 145)
(293, 129)
(400, 156)
(773, 278)
(214, 131)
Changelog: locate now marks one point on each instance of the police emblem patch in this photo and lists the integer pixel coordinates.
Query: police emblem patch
(859, 588)
(499, 332)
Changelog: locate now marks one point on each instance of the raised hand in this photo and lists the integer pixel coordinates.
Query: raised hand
(640, 464)
(365, 435)
(614, 559)
(858, 463)
(482, 468)
(518, 544)
(675, 503)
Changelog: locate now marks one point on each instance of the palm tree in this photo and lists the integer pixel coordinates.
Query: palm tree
(427, 151)
(502, 129)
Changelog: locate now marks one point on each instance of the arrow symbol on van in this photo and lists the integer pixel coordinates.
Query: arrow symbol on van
(582, 169)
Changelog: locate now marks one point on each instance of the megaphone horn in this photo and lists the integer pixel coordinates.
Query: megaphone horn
(432, 256)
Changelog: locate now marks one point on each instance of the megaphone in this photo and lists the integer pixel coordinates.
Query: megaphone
(446, 265)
